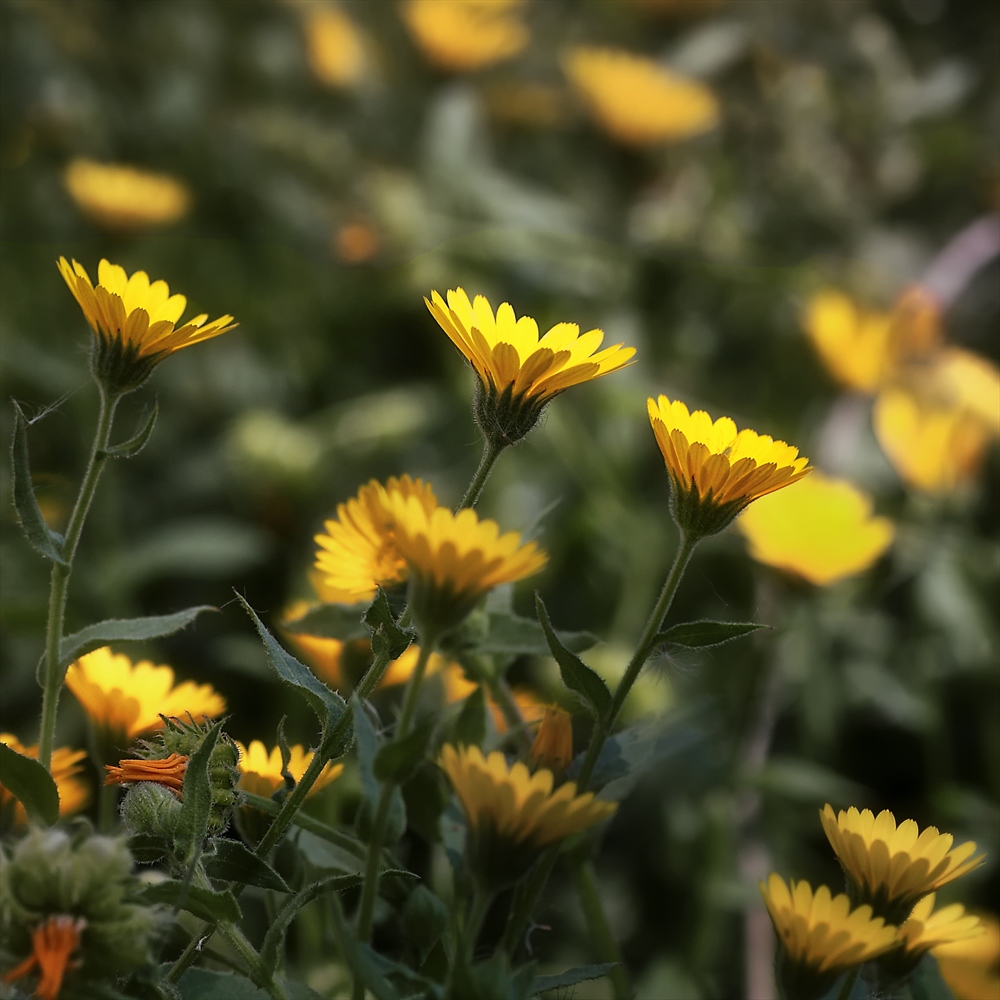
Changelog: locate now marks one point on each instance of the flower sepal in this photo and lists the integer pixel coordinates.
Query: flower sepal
(503, 416)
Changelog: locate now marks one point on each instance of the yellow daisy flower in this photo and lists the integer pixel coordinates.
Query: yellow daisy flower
(519, 372)
(454, 559)
(892, 868)
(971, 967)
(118, 196)
(65, 770)
(716, 471)
(821, 936)
(358, 552)
(512, 813)
(260, 771)
(125, 699)
(820, 529)
(637, 100)
(334, 46)
(134, 322)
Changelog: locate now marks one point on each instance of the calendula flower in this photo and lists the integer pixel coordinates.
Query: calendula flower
(971, 967)
(335, 46)
(464, 35)
(529, 705)
(518, 371)
(260, 771)
(53, 943)
(454, 559)
(637, 100)
(65, 769)
(820, 529)
(125, 699)
(358, 552)
(168, 771)
(118, 196)
(553, 746)
(512, 813)
(716, 471)
(892, 868)
(821, 935)
(135, 322)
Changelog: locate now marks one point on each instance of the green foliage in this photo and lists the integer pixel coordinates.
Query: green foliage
(204, 903)
(131, 447)
(230, 861)
(697, 635)
(30, 784)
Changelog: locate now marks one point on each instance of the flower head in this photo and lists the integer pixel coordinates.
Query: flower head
(519, 372)
(820, 529)
(118, 196)
(971, 967)
(134, 322)
(335, 46)
(530, 707)
(465, 35)
(166, 771)
(553, 746)
(821, 936)
(65, 769)
(260, 771)
(716, 471)
(637, 100)
(52, 943)
(893, 867)
(512, 813)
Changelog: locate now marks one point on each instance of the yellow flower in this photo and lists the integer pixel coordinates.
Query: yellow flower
(637, 100)
(512, 813)
(358, 553)
(134, 322)
(820, 529)
(821, 935)
(127, 699)
(892, 868)
(454, 559)
(968, 382)
(66, 768)
(553, 746)
(464, 35)
(118, 196)
(716, 471)
(971, 968)
(260, 771)
(926, 928)
(335, 46)
(518, 371)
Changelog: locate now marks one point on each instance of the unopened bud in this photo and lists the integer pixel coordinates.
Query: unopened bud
(553, 746)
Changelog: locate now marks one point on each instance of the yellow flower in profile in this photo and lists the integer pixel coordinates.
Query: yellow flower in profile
(553, 746)
(134, 322)
(716, 471)
(519, 372)
(167, 771)
(971, 967)
(892, 868)
(454, 559)
(529, 705)
(65, 770)
(638, 101)
(820, 529)
(970, 383)
(821, 935)
(927, 928)
(118, 196)
(126, 699)
(260, 771)
(334, 45)
(464, 35)
(512, 813)
(358, 552)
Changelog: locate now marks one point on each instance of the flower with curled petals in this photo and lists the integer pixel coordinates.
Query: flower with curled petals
(53, 942)
(716, 471)
(893, 867)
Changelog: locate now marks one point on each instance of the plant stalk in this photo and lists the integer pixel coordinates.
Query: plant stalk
(848, 984)
(480, 907)
(491, 452)
(600, 929)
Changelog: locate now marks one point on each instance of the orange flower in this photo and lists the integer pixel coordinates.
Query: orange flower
(169, 772)
(73, 793)
(53, 941)
(553, 746)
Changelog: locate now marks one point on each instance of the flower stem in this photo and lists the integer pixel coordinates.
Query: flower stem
(600, 929)
(61, 572)
(500, 693)
(491, 452)
(107, 807)
(480, 906)
(848, 984)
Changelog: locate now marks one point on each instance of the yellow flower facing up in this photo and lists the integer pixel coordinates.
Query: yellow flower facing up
(118, 196)
(135, 322)
(971, 967)
(891, 867)
(519, 372)
(454, 559)
(820, 529)
(125, 699)
(716, 471)
(464, 35)
(512, 813)
(334, 45)
(638, 101)
(260, 771)
(65, 770)
(821, 935)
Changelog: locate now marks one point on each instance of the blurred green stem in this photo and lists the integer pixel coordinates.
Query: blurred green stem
(107, 807)
(501, 695)
(849, 980)
(491, 452)
(61, 573)
(600, 929)
(480, 906)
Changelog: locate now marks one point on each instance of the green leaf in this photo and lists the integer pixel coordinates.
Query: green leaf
(698, 634)
(30, 784)
(397, 760)
(542, 984)
(203, 984)
(196, 808)
(502, 634)
(807, 781)
(215, 907)
(331, 621)
(470, 727)
(368, 745)
(312, 826)
(575, 673)
(926, 982)
(388, 639)
(231, 861)
(148, 848)
(358, 957)
(132, 447)
(425, 919)
(43, 539)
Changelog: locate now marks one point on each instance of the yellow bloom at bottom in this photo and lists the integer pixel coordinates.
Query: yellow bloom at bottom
(65, 769)
(260, 771)
(53, 942)
(971, 967)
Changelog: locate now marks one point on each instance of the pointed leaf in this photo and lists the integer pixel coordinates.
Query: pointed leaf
(331, 621)
(29, 783)
(358, 957)
(231, 861)
(388, 639)
(196, 808)
(212, 906)
(696, 635)
(502, 634)
(368, 745)
(470, 727)
(131, 447)
(397, 760)
(204, 984)
(542, 984)
(424, 919)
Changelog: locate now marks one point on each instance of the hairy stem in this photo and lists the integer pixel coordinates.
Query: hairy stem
(600, 929)
(491, 452)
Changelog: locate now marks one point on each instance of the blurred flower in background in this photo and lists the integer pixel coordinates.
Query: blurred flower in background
(260, 771)
(74, 793)
(971, 967)
(336, 47)
(121, 197)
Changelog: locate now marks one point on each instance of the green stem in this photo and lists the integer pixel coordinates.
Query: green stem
(307, 822)
(849, 980)
(480, 906)
(190, 953)
(500, 693)
(491, 452)
(107, 807)
(525, 898)
(61, 572)
(600, 929)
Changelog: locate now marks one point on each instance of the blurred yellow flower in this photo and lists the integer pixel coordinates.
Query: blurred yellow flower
(358, 552)
(531, 707)
(464, 35)
(968, 382)
(65, 770)
(893, 867)
(526, 103)
(971, 967)
(260, 771)
(553, 746)
(118, 196)
(638, 101)
(821, 934)
(716, 471)
(334, 45)
(127, 699)
(927, 928)
(820, 529)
